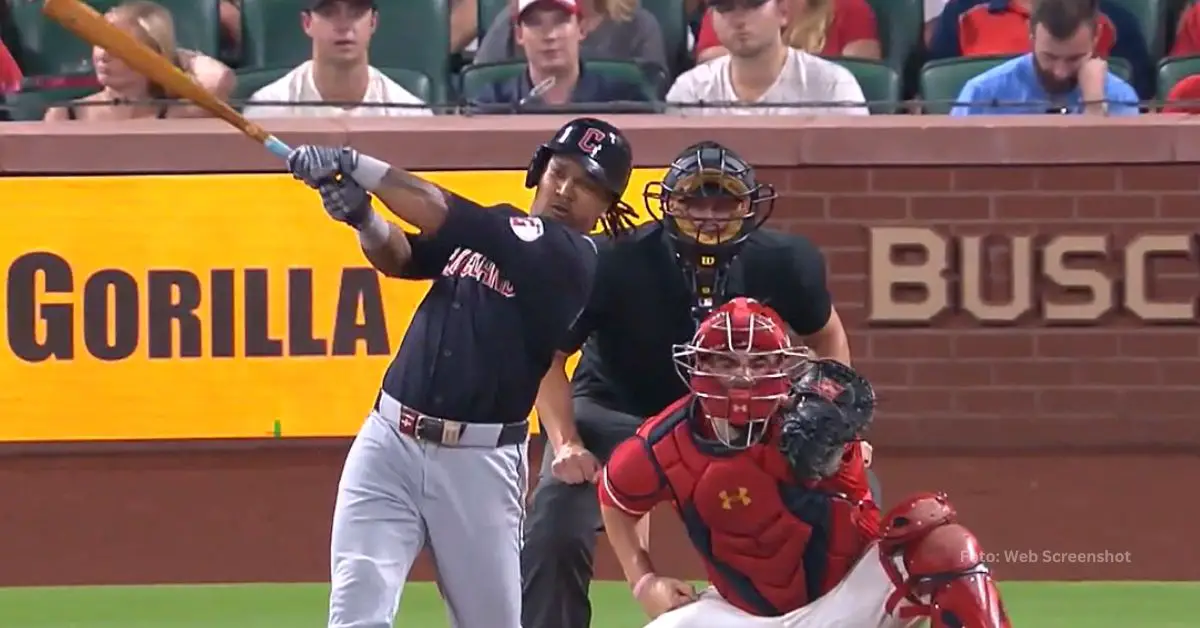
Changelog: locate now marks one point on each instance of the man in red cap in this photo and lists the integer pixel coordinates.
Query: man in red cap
(550, 33)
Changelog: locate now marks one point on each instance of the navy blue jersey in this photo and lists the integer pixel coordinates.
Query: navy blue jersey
(506, 289)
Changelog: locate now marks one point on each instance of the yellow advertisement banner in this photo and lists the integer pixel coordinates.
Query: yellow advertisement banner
(198, 306)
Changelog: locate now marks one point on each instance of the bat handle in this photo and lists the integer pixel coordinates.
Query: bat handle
(278, 148)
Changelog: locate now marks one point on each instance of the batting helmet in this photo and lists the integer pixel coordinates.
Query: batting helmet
(709, 169)
(598, 146)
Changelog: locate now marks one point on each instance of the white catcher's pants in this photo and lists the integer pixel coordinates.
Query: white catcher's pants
(856, 602)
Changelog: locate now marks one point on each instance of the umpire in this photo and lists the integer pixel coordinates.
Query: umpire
(652, 288)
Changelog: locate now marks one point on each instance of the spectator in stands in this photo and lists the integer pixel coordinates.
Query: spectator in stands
(1187, 34)
(763, 71)
(1002, 27)
(1061, 75)
(833, 28)
(1184, 97)
(10, 72)
(548, 32)
(339, 72)
(124, 93)
(612, 29)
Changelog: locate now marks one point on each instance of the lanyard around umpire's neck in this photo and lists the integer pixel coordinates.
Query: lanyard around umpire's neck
(712, 285)
(709, 280)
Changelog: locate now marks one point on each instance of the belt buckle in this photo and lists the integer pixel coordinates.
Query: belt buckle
(451, 432)
(411, 420)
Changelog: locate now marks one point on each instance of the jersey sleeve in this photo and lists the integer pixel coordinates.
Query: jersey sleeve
(851, 476)
(805, 304)
(631, 482)
(429, 257)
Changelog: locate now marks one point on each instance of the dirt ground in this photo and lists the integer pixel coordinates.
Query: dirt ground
(260, 512)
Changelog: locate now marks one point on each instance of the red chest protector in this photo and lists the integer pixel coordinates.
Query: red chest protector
(769, 545)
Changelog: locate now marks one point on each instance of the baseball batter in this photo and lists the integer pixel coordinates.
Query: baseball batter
(440, 459)
(759, 463)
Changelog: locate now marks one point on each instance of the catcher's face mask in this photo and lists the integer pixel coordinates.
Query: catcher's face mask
(739, 365)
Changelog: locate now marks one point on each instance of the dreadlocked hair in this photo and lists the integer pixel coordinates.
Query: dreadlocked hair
(618, 220)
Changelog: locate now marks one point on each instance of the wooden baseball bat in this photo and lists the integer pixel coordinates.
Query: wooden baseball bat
(91, 27)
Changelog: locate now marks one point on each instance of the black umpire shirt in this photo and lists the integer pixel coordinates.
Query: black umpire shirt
(506, 289)
(641, 306)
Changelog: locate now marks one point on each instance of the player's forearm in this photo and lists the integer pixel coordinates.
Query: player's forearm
(388, 255)
(836, 347)
(621, 529)
(553, 405)
(831, 342)
(411, 198)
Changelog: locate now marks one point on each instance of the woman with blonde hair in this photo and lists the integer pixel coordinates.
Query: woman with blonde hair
(830, 28)
(127, 95)
(612, 29)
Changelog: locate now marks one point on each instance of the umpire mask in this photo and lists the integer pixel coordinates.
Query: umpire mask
(709, 201)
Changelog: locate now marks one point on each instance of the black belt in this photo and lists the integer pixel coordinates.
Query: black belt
(454, 433)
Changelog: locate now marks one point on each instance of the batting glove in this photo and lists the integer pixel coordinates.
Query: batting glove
(346, 201)
(316, 165)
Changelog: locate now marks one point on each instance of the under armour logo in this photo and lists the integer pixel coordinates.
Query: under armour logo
(742, 495)
(406, 422)
(741, 407)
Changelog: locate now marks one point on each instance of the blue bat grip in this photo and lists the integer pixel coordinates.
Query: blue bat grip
(278, 148)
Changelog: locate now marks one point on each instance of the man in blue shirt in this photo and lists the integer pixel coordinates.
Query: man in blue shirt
(1061, 75)
(988, 19)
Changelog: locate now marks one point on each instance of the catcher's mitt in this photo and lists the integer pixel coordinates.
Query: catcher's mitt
(830, 406)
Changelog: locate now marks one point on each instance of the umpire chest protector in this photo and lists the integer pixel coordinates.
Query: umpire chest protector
(769, 545)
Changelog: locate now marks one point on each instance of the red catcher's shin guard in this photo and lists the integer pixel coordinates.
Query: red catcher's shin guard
(967, 601)
(936, 565)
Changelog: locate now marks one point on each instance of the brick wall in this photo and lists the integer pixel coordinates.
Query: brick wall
(1100, 384)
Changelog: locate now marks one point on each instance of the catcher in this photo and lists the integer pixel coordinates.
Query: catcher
(759, 463)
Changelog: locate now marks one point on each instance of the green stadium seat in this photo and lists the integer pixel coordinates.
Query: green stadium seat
(50, 49)
(475, 77)
(1152, 16)
(673, 22)
(487, 12)
(412, 34)
(416, 83)
(1174, 69)
(252, 80)
(942, 80)
(31, 105)
(901, 24)
(879, 81)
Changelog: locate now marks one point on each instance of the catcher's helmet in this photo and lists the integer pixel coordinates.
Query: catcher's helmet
(709, 170)
(598, 146)
(740, 366)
